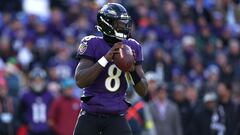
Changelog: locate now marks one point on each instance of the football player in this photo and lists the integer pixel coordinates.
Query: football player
(104, 84)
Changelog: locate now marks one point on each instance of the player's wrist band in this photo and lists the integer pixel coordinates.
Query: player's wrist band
(135, 77)
(103, 61)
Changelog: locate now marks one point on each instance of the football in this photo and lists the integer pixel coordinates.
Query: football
(125, 59)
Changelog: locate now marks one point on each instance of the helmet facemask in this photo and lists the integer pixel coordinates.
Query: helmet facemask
(122, 28)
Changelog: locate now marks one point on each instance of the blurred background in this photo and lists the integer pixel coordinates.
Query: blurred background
(192, 65)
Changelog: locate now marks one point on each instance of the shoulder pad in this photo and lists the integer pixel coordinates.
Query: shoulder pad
(85, 42)
(134, 41)
(89, 38)
(87, 46)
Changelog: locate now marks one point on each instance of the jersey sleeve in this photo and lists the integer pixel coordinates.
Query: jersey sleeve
(86, 48)
(138, 50)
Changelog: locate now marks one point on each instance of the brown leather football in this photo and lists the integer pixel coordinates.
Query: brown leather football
(125, 59)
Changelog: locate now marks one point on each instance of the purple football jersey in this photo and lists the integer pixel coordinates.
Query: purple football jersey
(35, 109)
(107, 93)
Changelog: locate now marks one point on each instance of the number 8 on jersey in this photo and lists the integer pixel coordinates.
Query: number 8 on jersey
(113, 75)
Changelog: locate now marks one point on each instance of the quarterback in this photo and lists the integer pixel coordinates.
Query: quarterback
(104, 84)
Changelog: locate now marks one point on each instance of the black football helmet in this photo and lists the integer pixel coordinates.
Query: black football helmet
(114, 21)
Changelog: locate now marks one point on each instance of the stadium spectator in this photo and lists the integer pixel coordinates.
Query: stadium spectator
(153, 82)
(35, 104)
(135, 113)
(64, 110)
(7, 110)
(226, 70)
(211, 74)
(179, 98)
(231, 110)
(191, 107)
(165, 114)
(63, 63)
(209, 118)
(138, 115)
(13, 75)
(6, 50)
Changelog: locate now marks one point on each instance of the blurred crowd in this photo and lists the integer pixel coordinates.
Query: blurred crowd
(192, 65)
